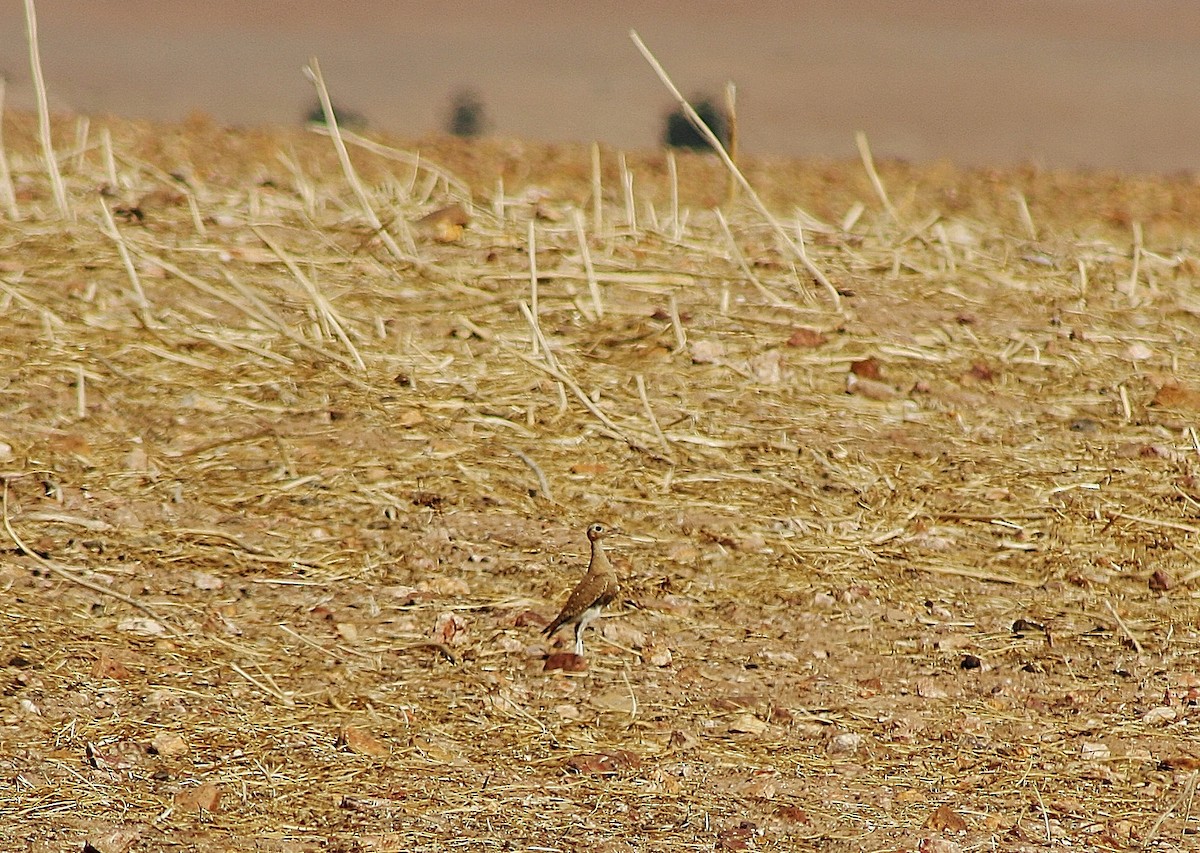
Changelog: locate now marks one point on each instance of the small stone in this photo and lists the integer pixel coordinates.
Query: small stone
(659, 656)
(684, 553)
(681, 739)
(938, 611)
(623, 635)
(707, 352)
(782, 658)
(141, 626)
(845, 743)
(206, 797)
(1094, 751)
(867, 368)
(360, 741)
(1160, 716)
(603, 763)
(767, 367)
(806, 338)
(928, 688)
(450, 628)
(206, 581)
(112, 839)
(946, 819)
(1138, 352)
(870, 388)
(590, 468)
(510, 645)
(168, 745)
(136, 461)
(747, 724)
(824, 600)
(348, 631)
(565, 662)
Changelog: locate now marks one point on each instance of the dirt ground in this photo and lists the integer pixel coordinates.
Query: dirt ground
(910, 507)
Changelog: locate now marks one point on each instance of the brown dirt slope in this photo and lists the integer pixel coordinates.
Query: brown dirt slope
(910, 554)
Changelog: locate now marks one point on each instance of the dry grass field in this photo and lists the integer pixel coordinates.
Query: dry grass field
(911, 555)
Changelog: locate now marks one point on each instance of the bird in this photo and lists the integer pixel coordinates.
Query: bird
(595, 591)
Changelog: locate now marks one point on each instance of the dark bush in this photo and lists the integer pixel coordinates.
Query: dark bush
(679, 132)
(467, 118)
(348, 119)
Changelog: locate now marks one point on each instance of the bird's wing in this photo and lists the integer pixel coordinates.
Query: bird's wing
(585, 595)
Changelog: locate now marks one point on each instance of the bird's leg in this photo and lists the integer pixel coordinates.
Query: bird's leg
(579, 626)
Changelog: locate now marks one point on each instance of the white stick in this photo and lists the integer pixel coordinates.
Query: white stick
(627, 191)
(80, 393)
(588, 269)
(126, 260)
(740, 259)
(39, 86)
(533, 281)
(313, 70)
(82, 128)
(662, 438)
(597, 190)
(673, 176)
(677, 325)
(1026, 216)
(864, 151)
(110, 162)
(712, 140)
(8, 196)
(731, 115)
(1137, 263)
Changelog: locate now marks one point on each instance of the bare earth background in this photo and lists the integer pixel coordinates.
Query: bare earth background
(1109, 83)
